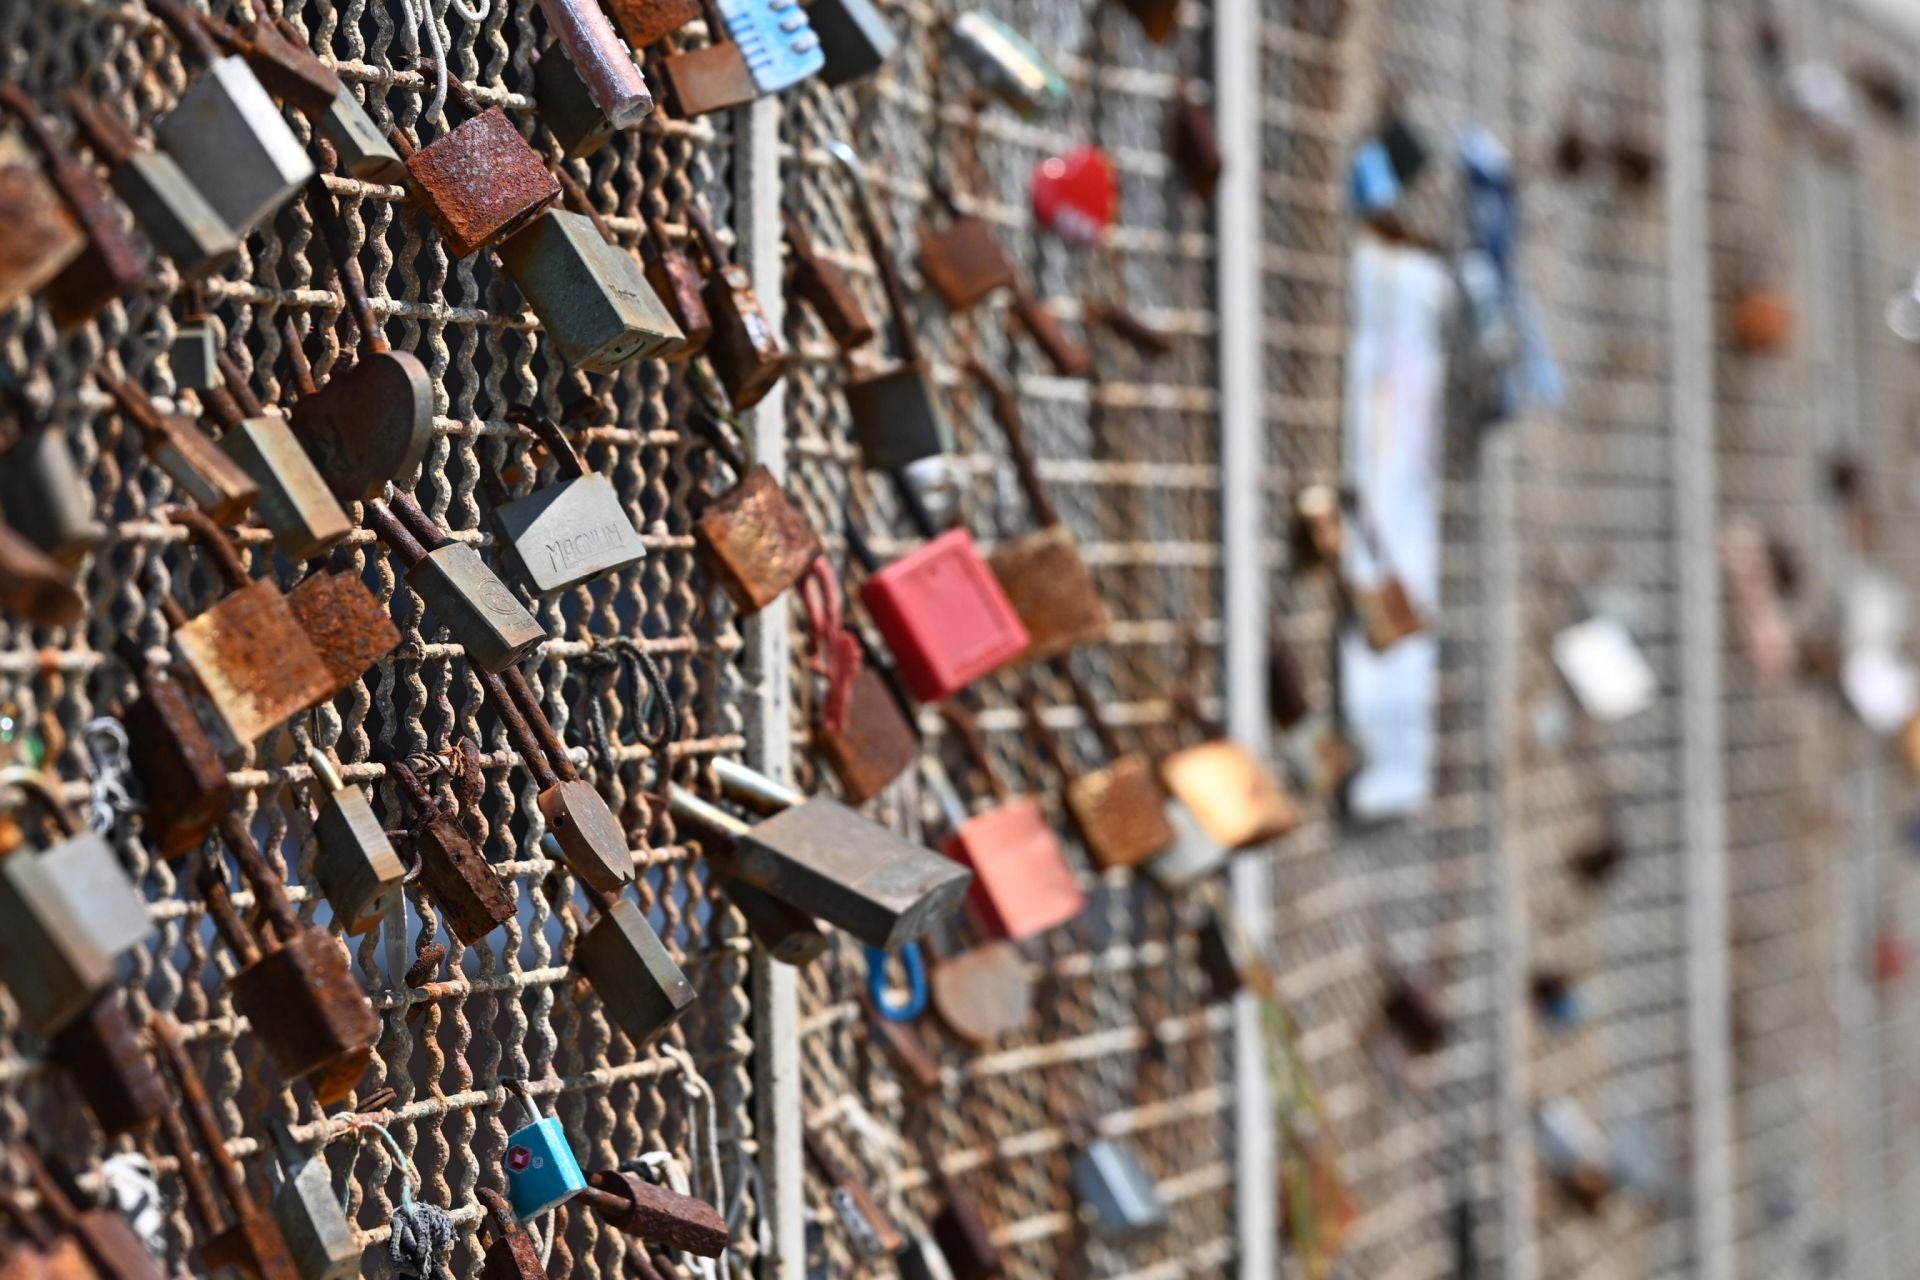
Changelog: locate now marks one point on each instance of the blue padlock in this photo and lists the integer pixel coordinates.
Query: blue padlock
(1374, 186)
(541, 1168)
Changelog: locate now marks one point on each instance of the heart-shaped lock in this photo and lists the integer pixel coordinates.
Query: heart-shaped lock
(1076, 195)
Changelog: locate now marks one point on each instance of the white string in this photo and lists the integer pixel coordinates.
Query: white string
(427, 31)
(702, 1092)
(475, 14)
(135, 1194)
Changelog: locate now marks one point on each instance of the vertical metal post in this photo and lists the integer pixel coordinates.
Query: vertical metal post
(1239, 317)
(1689, 301)
(776, 998)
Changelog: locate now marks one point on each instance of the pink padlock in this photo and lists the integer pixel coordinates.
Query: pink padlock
(944, 617)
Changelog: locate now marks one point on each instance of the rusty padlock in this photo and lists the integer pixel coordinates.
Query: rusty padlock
(823, 285)
(43, 1253)
(1374, 593)
(898, 417)
(467, 597)
(1195, 144)
(963, 260)
(646, 22)
(183, 781)
(678, 284)
(294, 503)
(176, 217)
(103, 1055)
(371, 423)
(569, 532)
(43, 236)
(197, 466)
(631, 1204)
(509, 1253)
(35, 587)
(1231, 793)
(875, 740)
(1045, 577)
(1158, 19)
(714, 77)
(111, 263)
(479, 182)
(585, 83)
(472, 899)
(251, 1244)
(295, 983)
(744, 349)
(246, 651)
(348, 627)
(755, 538)
(105, 1237)
(1119, 808)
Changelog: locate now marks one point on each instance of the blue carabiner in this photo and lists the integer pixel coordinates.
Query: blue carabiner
(915, 1003)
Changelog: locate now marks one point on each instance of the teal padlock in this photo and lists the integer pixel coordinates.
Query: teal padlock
(541, 1169)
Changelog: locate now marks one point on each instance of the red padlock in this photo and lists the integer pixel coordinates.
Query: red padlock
(944, 617)
(1076, 195)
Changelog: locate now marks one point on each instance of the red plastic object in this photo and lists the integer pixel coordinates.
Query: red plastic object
(1076, 195)
(1022, 885)
(944, 617)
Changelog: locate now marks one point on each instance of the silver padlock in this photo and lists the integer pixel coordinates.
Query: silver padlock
(569, 532)
(321, 1240)
(1192, 857)
(355, 863)
(194, 354)
(294, 502)
(175, 215)
(592, 297)
(1117, 1193)
(363, 149)
(641, 987)
(45, 499)
(466, 596)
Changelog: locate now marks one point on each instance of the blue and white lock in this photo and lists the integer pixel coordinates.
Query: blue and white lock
(541, 1169)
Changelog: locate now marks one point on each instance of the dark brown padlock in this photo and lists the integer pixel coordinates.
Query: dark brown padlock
(712, 78)
(197, 466)
(106, 1237)
(102, 1054)
(1288, 698)
(479, 182)
(1069, 358)
(963, 260)
(472, 899)
(510, 1253)
(874, 740)
(786, 933)
(44, 238)
(745, 351)
(1120, 808)
(183, 781)
(33, 586)
(1158, 19)
(1414, 1016)
(652, 1213)
(964, 1236)
(347, 626)
(755, 538)
(823, 285)
(1196, 144)
(646, 22)
(673, 275)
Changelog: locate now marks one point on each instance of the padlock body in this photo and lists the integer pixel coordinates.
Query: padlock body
(826, 289)
(348, 627)
(921, 1259)
(309, 1011)
(855, 875)
(1120, 812)
(462, 883)
(641, 987)
(756, 540)
(113, 1251)
(1121, 1196)
(874, 745)
(592, 298)
(588, 834)
(662, 1216)
(52, 964)
(855, 40)
(786, 933)
(645, 22)
(776, 39)
(88, 877)
(966, 1239)
(176, 217)
(102, 1054)
(45, 499)
(701, 81)
(1192, 856)
(251, 658)
(294, 501)
(568, 107)
(1052, 590)
(541, 1169)
(198, 468)
(194, 355)
(898, 418)
(1022, 882)
(314, 1225)
(678, 285)
(233, 145)
(368, 425)
(43, 237)
(945, 618)
(363, 150)
(567, 534)
(964, 262)
(512, 1258)
(183, 781)
(1235, 798)
(1386, 613)
(481, 183)
(1007, 63)
(983, 993)
(473, 603)
(744, 349)
(355, 863)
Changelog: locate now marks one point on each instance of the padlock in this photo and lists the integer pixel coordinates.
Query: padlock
(43, 236)
(467, 597)
(824, 286)
(963, 260)
(1119, 809)
(251, 1244)
(1076, 194)
(1371, 589)
(540, 1167)
(353, 860)
(184, 783)
(945, 618)
(227, 134)
(1412, 1012)
(744, 349)
(855, 40)
(180, 221)
(897, 414)
(106, 1238)
(714, 77)
(479, 183)
(193, 355)
(1386, 614)
(1007, 64)
(876, 740)
(586, 84)
(646, 22)
(678, 284)
(472, 899)
(294, 502)
(33, 586)
(189, 457)
(771, 41)
(1158, 19)
(292, 72)
(964, 1236)
(569, 532)
(983, 994)
(1192, 856)
(639, 984)
(348, 627)
(246, 651)
(822, 857)
(921, 1258)
(101, 1053)
(1235, 798)
(295, 983)
(1069, 358)
(657, 1214)
(43, 1253)
(319, 1236)
(870, 1232)
(111, 263)
(1022, 883)
(785, 933)
(68, 914)
(1288, 699)
(1043, 574)
(371, 423)
(45, 498)
(756, 540)
(593, 299)
(1196, 145)
(1116, 1192)
(510, 1253)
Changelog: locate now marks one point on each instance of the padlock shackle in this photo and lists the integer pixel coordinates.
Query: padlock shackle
(211, 538)
(326, 773)
(567, 458)
(896, 290)
(390, 530)
(110, 139)
(754, 789)
(709, 239)
(235, 380)
(222, 407)
(133, 402)
(576, 199)
(265, 882)
(44, 789)
(188, 31)
(418, 522)
(1090, 708)
(498, 1216)
(346, 265)
(688, 807)
(1006, 412)
(966, 728)
(193, 1091)
(296, 355)
(507, 705)
(226, 917)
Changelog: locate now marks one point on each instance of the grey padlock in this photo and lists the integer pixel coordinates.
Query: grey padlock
(321, 1240)
(823, 858)
(355, 863)
(45, 499)
(854, 36)
(473, 603)
(363, 149)
(643, 990)
(229, 138)
(294, 502)
(1119, 1197)
(567, 106)
(194, 355)
(569, 532)
(175, 215)
(592, 297)
(1192, 857)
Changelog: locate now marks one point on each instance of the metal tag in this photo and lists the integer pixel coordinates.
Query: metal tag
(592, 298)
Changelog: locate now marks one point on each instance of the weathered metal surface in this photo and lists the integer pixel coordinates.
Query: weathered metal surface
(480, 610)
(230, 140)
(1052, 590)
(756, 540)
(639, 984)
(481, 183)
(592, 298)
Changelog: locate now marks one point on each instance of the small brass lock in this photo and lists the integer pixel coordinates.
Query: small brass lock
(479, 183)
(639, 984)
(822, 285)
(321, 1240)
(745, 351)
(467, 597)
(294, 502)
(291, 71)
(1119, 809)
(963, 260)
(174, 214)
(714, 77)
(353, 860)
(194, 354)
(875, 742)
(569, 532)
(43, 237)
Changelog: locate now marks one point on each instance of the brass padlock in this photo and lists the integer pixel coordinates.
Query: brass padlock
(294, 502)
(226, 132)
(295, 983)
(176, 217)
(1045, 578)
(745, 351)
(371, 423)
(569, 532)
(1119, 809)
(678, 284)
(191, 460)
(246, 651)
(480, 182)
(467, 597)
(43, 236)
(510, 1253)
(472, 899)
(45, 498)
(586, 84)
(656, 1214)
(353, 860)
(33, 586)
(645, 22)
(714, 77)
(897, 414)
(183, 781)
(251, 1244)
(823, 285)
(822, 857)
(101, 1052)
(637, 979)
(1235, 798)
(348, 627)
(322, 1241)
(870, 1233)
(963, 260)
(755, 538)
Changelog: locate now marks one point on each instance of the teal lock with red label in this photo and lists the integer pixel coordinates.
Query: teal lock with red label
(541, 1168)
